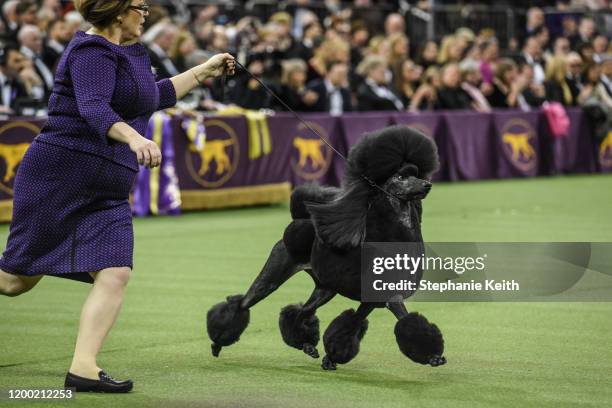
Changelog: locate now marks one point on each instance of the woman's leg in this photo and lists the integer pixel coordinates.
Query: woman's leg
(15, 285)
(97, 317)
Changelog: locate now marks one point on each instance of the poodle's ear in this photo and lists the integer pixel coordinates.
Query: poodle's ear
(341, 223)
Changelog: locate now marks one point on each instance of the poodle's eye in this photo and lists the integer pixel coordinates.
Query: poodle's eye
(400, 177)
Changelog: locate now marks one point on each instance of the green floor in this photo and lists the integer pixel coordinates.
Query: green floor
(499, 354)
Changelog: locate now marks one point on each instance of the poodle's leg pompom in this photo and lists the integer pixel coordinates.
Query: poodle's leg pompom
(420, 340)
(225, 323)
(300, 329)
(342, 338)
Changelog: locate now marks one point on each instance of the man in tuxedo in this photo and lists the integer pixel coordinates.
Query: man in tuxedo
(160, 38)
(374, 93)
(58, 35)
(333, 95)
(532, 55)
(31, 42)
(12, 90)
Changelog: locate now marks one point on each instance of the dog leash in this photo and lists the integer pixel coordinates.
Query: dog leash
(368, 180)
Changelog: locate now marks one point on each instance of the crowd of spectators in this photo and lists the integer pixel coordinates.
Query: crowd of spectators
(337, 63)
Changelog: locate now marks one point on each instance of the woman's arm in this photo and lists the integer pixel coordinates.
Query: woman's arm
(147, 151)
(215, 66)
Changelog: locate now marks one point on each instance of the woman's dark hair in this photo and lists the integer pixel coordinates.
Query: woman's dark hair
(102, 13)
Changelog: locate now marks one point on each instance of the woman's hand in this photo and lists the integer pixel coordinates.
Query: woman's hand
(147, 152)
(219, 64)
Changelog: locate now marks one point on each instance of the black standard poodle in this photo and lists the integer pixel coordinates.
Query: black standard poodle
(387, 176)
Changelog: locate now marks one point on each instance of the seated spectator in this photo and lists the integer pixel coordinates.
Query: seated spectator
(405, 86)
(31, 42)
(159, 39)
(398, 53)
(489, 54)
(534, 94)
(9, 19)
(507, 85)
(451, 95)
(604, 87)
(556, 85)
(374, 94)
(426, 95)
(600, 47)
(182, 47)
(13, 87)
(451, 49)
(561, 47)
(332, 49)
(248, 92)
(292, 88)
(312, 37)
(573, 74)
(471, 84)
(428, 54)
(532, 55)
(332, 92)
(58, 36)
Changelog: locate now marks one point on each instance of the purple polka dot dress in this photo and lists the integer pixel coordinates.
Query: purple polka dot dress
(71, 214)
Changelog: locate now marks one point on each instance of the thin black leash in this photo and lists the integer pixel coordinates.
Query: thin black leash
(298, 117)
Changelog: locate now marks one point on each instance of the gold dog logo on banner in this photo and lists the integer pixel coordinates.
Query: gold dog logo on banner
(214, 165)
(12, 153)
(312, 156)
(517, 135)
(605, 151)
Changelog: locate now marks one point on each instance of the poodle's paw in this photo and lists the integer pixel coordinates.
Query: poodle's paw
(310, 350)
(437, 361)
(216, 349)
(327, 364)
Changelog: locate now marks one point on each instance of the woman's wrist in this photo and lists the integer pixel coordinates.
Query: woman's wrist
(200, 73)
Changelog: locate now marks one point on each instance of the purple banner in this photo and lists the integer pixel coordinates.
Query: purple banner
(16, 135)
(518, 147)
(300, 151)
(470, 146)
(604, 154)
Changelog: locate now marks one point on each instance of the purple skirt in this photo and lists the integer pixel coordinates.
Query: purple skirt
(71, 215)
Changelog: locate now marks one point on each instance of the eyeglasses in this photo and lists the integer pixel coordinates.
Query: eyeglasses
(143, 7)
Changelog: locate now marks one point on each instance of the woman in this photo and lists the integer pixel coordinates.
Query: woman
(508, 85)
(557, 85)
(82, 166)
(405, 86)
(292, 89)
(426, 95)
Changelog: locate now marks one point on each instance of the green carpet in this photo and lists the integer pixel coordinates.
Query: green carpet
(499, 354)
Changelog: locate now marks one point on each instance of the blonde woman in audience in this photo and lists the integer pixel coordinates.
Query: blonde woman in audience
(426, 95)
(556, 84)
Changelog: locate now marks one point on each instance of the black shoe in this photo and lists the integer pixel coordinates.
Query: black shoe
(104, 384)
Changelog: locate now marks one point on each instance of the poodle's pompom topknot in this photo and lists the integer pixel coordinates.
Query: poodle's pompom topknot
(378, 155)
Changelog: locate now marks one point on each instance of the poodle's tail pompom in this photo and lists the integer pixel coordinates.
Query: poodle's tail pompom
(225, 323)
(420, 340)
(300, 329)
(342, 337)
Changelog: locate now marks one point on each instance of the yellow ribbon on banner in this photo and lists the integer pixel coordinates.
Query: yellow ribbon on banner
(260, 142)
(158, 127)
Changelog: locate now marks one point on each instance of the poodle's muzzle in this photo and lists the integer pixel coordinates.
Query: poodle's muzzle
(408, 188)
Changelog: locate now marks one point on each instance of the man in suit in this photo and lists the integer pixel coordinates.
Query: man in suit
(332, 93)
(58, 35)
(160, 38)
(532, 55)
(12, 90)
(31, 42)
(374, 94)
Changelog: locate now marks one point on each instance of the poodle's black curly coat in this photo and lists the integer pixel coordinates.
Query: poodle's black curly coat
(324, 239)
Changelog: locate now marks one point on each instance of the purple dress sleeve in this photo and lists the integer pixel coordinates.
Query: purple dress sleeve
(93, 70)
(167, 94)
